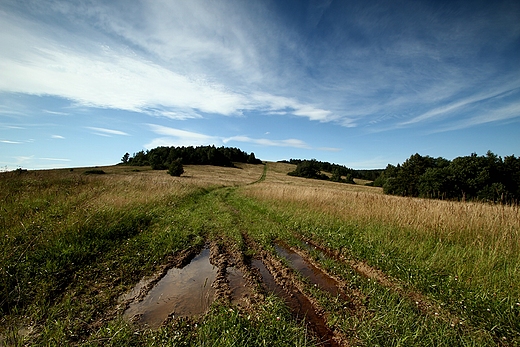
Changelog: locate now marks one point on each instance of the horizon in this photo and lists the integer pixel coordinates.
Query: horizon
(359, 84)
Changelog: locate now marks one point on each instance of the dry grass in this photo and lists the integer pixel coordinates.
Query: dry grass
(127, 187)
(490, 226)
(25, 196)
(426, 243)
(277, 174)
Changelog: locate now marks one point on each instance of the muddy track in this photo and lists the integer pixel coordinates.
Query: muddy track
(283, 281)
(422, 303)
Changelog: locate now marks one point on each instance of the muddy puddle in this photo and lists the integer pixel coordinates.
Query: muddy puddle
(180, 293)
(240, 291)
(309, 271)
(299, 305)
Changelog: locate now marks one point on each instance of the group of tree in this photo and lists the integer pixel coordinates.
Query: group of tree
(335, 170)
(315, 169)
(484, 178)
(172, 158)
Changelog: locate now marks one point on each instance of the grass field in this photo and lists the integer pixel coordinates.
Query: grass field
(409, 272)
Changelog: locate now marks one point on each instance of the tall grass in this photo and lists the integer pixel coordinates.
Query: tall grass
(71, 243)
(466, 256)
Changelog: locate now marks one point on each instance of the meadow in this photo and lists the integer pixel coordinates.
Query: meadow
(408, 272)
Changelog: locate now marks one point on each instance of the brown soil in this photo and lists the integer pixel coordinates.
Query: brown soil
(243, 282)
(423, 304)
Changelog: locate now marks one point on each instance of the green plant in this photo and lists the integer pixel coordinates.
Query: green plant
(176, 168)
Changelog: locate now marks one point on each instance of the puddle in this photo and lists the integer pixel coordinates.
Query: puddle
(135, 291)
(240, 292)
(181, 292)
(299, 305)
(268, 279)
(308, 270)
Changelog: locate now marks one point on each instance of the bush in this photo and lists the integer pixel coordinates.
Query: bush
(176, 168)
(94, 172)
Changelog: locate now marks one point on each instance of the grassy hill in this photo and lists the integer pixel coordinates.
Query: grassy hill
(406, 271)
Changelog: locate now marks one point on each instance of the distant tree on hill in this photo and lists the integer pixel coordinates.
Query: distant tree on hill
(314, 168)
(309, 169)
(484, 178)
(176, 168)
(160, 158)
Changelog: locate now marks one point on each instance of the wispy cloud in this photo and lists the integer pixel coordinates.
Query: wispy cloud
(54, 159)
(284, 105)
(464, 103)
(107, 132)
(329, 149)
(177, 137)
(112, 77)
(266, 142)
(184, 60)
(58, 137)
(10, 142)
(485, 116)
(57, 113)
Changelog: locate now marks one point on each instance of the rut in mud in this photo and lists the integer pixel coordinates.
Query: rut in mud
(221, 272)
(216, 274)
(182, 292)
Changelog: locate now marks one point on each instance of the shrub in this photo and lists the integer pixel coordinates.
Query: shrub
(176, 168)
(95, 172)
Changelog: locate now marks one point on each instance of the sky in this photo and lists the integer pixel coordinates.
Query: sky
(358, 83)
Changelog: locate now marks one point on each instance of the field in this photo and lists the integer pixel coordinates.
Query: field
(249, 256)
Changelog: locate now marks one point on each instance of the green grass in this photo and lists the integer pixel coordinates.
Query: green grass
(488, 305)
(72, 244)
(270, 324)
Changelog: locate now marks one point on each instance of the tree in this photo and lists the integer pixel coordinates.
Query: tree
(308, 169)
(176, 168)
(124, 160)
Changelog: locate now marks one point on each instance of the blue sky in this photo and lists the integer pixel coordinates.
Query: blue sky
(358, 83)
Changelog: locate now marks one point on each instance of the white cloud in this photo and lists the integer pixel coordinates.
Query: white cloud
(197, 77)
(56, 113)
(464, 103)
(107, 132)
(180, 59)
(10, 142)
(330, 149)
(266, 142)
(284, 105)
(57, 137)
(177, 137)
(485, 116)
(54, 159)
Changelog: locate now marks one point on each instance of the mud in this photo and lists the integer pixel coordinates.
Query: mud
(182, 292)
(240, 291)
(310, 271)
(423, 304)
(300, 306)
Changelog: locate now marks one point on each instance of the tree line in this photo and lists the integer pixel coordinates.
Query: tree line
(161, 158)
(314, 169)
(485, 178)
(338, 173)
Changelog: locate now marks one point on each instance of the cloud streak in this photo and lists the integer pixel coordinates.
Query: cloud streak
(177, 137)
(107, 132)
